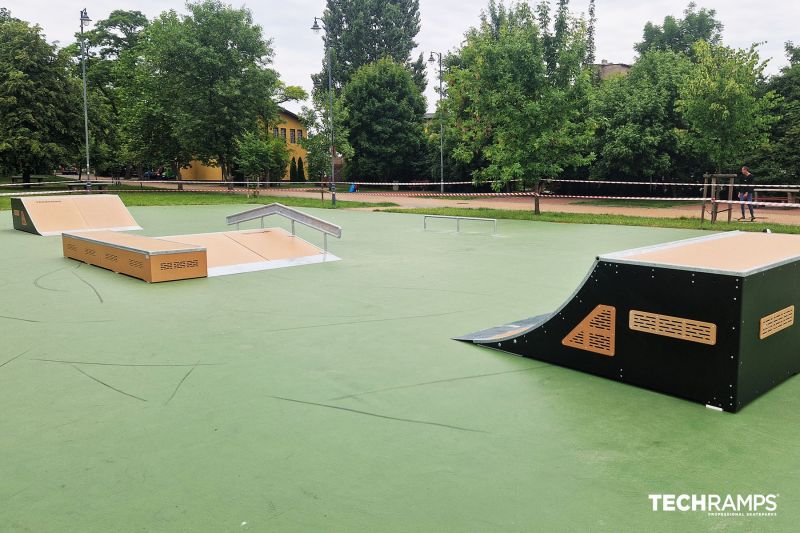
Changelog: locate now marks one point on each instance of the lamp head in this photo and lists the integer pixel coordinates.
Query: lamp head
(431, 59)
(316, 27)
(85, 17)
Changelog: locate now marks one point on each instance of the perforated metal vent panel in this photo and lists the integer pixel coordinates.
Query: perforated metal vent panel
(595, 333)
(673, 326)
(777, 321)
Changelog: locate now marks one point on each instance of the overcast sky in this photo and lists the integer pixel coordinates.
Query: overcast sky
(298, 51)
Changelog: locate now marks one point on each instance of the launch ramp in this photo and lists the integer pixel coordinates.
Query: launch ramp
(708, 319)
(53, 215)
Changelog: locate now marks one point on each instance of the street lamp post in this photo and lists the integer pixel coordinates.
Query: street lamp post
(85, 20)
(441, 119)
(316, 28)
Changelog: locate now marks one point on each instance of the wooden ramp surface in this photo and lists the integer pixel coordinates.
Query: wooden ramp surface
(53, 215)
(733, 252)
(234, 252)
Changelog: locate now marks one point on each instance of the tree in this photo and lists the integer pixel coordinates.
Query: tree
(781, 160)
(205, 81)
(720, 102)
(318, 141)
(679, 35)
(39, 101)
(301, 172)
(108, 73)
(384, 118)
(293, 170)
(360, 32)
(518, 93)
(262, 157)
(639, 130)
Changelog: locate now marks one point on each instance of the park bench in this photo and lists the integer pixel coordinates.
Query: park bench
(784, 195)
(99, 186)
(33, 179)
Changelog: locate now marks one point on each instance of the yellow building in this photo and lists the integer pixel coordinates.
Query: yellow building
(289, 129)
(292, 131)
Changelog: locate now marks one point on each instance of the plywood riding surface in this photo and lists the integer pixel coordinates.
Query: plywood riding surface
(735, 252)
(176, 257)
(232, 252)
(53, 215)
(709, 319)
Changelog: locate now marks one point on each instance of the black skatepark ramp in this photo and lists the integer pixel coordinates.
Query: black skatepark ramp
(709, 319)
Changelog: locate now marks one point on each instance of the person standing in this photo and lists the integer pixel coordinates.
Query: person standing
(746, 192)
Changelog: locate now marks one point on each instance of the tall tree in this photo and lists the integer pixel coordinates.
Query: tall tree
(639, 129)
(360, 32)
(293, 170)
(301, 171)
(318, 141)
(782, 160)
(518, 95)
(207, 75)
(384, 118)
(678, 35)
(39, 101)
(260, 156)
(728, 119)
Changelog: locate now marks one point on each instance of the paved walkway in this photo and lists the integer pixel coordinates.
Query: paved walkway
(563, 205)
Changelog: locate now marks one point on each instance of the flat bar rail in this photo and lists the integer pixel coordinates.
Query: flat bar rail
(458, 221)
(327, 228)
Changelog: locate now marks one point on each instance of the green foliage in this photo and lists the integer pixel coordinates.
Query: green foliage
(293, 170)
(518, 94)
(720, 102)
(781, 161)
(384, 118)
(203, 80)
(639, 130)
(39, 100)
(679, 35)
(301, 172)
(318, 141)
(262, 157)
(360, 32)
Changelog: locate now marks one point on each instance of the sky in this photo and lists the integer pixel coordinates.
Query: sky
(298, 51)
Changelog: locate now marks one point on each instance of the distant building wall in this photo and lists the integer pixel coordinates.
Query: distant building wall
(605, 69)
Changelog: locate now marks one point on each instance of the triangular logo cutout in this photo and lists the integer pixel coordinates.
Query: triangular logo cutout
(595, 333)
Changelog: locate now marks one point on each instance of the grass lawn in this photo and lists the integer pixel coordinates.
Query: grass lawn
(132, 196)
(331, 397)
(589, 218)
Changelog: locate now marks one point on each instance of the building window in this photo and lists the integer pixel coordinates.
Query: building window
(299, 135)
(292, 138)
(275, 132)
(283, 133)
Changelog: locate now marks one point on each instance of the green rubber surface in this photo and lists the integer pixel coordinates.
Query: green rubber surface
(330, 397)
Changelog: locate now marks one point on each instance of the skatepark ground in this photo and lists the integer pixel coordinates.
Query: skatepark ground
(331, 397)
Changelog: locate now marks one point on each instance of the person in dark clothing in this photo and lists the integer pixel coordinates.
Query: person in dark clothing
(746, 192)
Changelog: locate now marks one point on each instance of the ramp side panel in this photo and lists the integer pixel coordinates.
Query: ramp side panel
(21, 218)
(690, 370)
(164, 265)
(104, 211)
(768, 361)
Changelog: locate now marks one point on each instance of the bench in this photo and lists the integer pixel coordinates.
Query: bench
(20, 179)
(91, 185)
(789, 195)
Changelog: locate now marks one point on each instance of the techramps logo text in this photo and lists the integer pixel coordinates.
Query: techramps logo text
(765, 505)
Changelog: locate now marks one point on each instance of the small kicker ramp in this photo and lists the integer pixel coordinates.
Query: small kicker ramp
(156, 259)
(709, 319)
(236, 252)
(53, 215)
